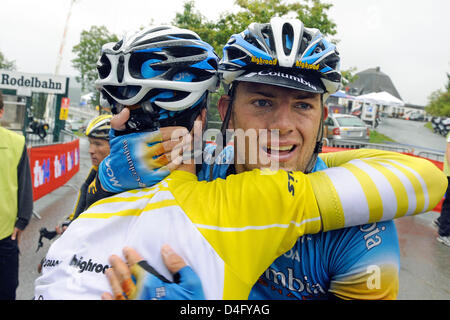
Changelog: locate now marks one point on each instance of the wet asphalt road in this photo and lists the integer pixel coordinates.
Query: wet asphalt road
(412, 133)
(425, 263)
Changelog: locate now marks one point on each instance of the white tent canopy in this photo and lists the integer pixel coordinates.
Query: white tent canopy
(383, 98)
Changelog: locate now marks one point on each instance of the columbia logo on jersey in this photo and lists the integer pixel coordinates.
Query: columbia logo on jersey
(292, 283)
(87, 266)
(372, 235)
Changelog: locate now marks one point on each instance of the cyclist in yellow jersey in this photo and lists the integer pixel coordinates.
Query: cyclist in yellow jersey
(342, 270)
(207, 233)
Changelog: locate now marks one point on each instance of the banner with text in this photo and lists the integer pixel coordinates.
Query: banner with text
(53, 165)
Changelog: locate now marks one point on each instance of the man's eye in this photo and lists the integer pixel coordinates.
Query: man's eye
(303, 106)
(262, 103)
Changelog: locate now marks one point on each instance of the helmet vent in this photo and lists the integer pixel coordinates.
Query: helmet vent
(288, 37)
(234, 53)
(120, 69)
(185, 51)
(104, 68)
(139, 58)
(118, 45)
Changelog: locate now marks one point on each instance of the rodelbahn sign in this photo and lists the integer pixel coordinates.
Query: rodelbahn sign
(33, 82)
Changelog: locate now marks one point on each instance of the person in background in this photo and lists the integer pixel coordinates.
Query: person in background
(443, 221)
(97, 132)
(16, 205)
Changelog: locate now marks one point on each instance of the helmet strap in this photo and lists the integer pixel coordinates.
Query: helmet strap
(319, 143)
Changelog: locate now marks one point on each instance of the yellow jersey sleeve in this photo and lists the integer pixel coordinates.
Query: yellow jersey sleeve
(364, 186)
(253, 217)
(250, 218)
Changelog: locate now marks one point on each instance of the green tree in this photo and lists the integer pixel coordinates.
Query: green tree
(6, 64)
(439, 103)
(447, 85)
(87, 53)
(311, 12)
(348, 76)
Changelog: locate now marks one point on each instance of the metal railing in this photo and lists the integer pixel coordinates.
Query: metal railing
(432, 155)
(416, 150)
(33, 140)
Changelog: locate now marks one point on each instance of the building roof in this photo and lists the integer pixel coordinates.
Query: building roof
(372, 80)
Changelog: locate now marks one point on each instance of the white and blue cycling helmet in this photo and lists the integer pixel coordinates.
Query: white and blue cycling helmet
(163, 72)
(283, 53)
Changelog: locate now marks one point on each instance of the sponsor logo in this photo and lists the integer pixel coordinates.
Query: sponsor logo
(41, 172)
(293, 254)
(48, 263)
(372, 235)
(281, 75)
(291, 179)
(59, 165)
(306, 65)
(261, 61)
(87, 266)
(131, 167)
(292, 283)
(110, 173)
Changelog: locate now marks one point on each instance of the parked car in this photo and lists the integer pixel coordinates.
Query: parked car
(73, 125)
(417, 116)
(347, 127)
(84, 125)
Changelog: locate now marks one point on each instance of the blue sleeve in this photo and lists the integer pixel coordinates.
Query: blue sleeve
(363, 262)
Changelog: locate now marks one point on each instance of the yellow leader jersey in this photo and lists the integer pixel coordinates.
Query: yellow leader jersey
(229, 231)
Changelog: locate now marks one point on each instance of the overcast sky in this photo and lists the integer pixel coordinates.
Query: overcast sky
(408, 39)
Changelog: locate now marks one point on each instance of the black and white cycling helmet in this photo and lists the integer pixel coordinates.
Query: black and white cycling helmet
(282, 53)
(98, 127)
(165, 70)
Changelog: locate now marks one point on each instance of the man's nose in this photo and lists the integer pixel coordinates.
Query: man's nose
(283, 119)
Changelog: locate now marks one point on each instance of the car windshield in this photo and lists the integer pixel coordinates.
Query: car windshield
(350, 122)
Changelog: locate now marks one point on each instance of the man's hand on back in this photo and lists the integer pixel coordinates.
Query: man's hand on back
(148, 284)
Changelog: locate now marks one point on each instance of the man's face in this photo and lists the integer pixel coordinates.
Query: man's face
(295, 114)
(98, 150)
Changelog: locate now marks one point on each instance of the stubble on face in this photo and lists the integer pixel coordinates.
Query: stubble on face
(297, 128)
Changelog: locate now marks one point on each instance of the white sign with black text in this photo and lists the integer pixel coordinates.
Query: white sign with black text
(35, 82)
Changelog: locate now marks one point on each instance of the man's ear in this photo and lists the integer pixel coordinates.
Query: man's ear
(223, 105)
(325, 112)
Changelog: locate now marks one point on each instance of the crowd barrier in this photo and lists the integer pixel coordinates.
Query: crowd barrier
(53, 165)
